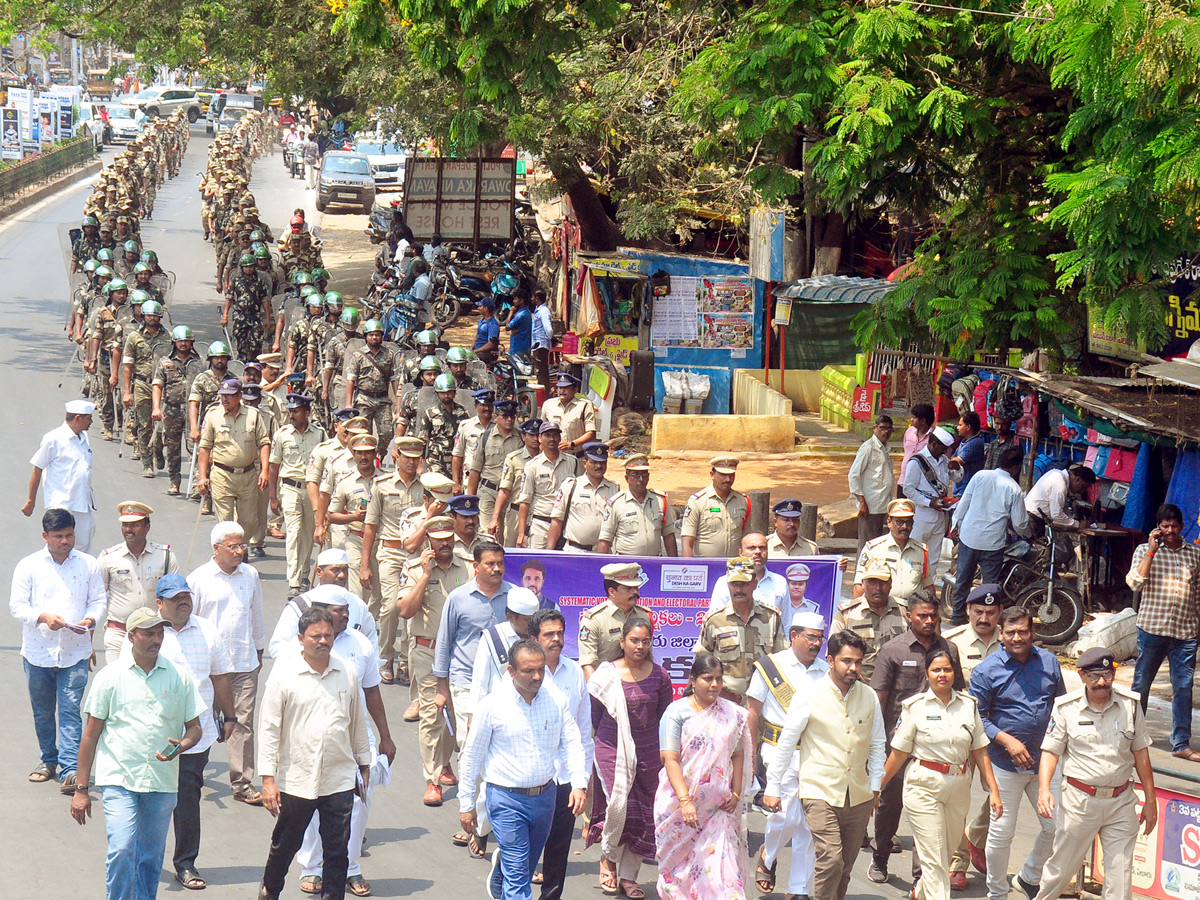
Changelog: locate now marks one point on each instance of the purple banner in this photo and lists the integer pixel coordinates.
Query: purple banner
(676, 590)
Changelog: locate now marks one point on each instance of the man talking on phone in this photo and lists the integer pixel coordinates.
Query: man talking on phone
(142, 712)
(1166, 569)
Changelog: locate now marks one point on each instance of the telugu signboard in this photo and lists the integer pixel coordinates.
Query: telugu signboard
(675, 590)
(466, 200)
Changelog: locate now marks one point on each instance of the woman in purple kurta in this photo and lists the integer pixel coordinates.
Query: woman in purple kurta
(629, 697)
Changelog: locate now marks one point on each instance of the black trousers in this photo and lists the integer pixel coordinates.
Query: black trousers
(333, 812)
(187, 810)
(558, 846)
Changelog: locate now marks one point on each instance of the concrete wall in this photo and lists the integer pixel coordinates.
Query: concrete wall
(751, 397)
(747, 434)
(802, 386)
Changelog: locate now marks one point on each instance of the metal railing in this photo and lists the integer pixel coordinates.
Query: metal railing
(18, 177)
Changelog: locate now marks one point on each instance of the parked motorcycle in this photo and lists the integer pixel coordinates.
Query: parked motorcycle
(1030, 578)
(513, 374)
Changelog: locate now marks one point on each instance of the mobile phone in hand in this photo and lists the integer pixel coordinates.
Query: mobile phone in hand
(171, 750)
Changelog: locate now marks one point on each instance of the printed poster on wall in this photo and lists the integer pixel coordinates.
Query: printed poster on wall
(709, 312)
(675, 321)
(10, 138)
(676, 590)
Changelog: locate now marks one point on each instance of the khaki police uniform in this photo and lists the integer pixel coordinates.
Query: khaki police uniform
(233, 443)
(466, 442)
(717, 525)
(910, 566)
(436, 742)
(1095, 748)
(338, 465)
(129, 582)
(541, 483)
(600, 631)
(739, 643)
(874, 628)
(940, 738)
(776, 549)
(391, 500)
(972, 650)
(636, 528)
(575, 419)
(491, 450)
(264, 498)
(580, 506)
(353, 494)
(512, 476)
(291, 451)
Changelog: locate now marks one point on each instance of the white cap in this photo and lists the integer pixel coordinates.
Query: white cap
(329, 595)
(808, 620)
(522, 601)
(943, 435)
(81, 407)
(333, 557)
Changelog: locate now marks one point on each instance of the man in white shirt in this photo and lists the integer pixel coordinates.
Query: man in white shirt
(771, 590)
(777, 679)
(928, 481)
(873, 481)
(1049, 499)
(228, 593)
(58, 597)
(193, 645)
(519, 736)
(64, 459)
(314, 752)
(333, 567)
(548, 628)
(991, 503)
(491, 656)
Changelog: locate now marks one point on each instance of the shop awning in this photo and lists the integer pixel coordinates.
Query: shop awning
(835, 289)
(1138, 407)
(1176, 372)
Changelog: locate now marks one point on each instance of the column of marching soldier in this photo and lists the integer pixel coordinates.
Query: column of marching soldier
(407, 512)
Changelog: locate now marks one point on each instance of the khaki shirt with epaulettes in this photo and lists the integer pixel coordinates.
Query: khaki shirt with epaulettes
(340, 465)
(466, 441)
(491, 454)
(143, 351)
(351, 494)
(971, 648)
(910, 566)
(581, 507)
(465, 551)
(717, 525)
(1097, 746)
(575, 420)
(234, 440)
(130, 583)
(314, 472)
(441, 582)
(939, 732)
(292, 449)
(637, 529)
(391, 499)
(802, 547)
(874, 628)
(600, 631)
(541, 482)
(738, 644)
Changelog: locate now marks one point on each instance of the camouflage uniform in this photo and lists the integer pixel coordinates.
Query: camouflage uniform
(249, 296)
(373, 373)
(335, 359)
(84, 249)
(296, 260)
(438, 426)
(105, 325)
(143, 351)
(171, 375)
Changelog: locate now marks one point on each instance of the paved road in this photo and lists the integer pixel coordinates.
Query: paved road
(49, 856)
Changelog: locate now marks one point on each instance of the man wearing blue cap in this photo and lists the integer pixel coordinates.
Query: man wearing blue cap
(466, 440)
(785, 540)
(575, 416)
(487, 331)
(464, 510)
(291, 450)
(580, 503)
(512, 473)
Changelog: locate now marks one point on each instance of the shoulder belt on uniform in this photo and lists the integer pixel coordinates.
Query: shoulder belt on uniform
(780, 687)
(302, 605)
(499, 651)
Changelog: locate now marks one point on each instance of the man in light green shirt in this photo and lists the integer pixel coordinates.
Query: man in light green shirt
(136, 710)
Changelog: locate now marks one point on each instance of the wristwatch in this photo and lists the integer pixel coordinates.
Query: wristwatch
(232, 719)
(81, 788)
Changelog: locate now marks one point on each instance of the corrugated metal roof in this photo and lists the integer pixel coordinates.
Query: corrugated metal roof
(1176, 372)
(836, 289)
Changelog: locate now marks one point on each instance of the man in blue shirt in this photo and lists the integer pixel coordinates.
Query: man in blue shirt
(1016, 687)
(520, 325)
(487, 332)
(971, 454)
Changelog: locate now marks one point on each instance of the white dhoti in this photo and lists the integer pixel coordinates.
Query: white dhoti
(311, 856)
(787, 825)
(929, 527)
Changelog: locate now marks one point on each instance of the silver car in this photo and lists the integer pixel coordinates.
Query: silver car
(345, 179)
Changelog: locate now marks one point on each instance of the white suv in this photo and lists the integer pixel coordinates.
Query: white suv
(162, 101)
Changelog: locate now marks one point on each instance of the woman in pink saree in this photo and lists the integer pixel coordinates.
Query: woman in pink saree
(698, 809)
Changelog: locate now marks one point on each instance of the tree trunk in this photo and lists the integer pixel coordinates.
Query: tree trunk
(598, 231)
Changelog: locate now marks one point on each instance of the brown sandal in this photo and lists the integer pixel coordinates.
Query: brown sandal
(311, 884)
(632, 890)
(41, 774)
(764, 878)
(608, 879)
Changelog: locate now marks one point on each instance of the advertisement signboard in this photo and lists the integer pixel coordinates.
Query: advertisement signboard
(10, 133)
(460, 199)
(676, 590)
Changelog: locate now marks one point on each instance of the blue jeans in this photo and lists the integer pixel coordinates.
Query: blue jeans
(61, 690)
(521, 825)
(991, 562)
(136, 825)
(1181, 655)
